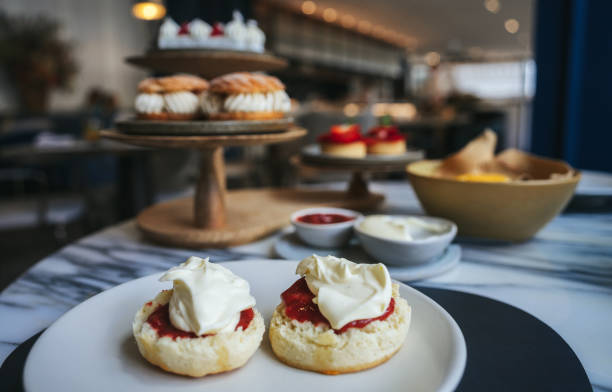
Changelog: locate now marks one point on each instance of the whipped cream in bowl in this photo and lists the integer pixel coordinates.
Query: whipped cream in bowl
(404, 239)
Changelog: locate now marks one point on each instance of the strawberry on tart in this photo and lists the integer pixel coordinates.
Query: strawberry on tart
(343, 140)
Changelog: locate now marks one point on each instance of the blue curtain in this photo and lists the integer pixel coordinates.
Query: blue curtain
(573, 102)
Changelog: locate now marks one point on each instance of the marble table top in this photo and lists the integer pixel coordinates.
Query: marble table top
(563, 277)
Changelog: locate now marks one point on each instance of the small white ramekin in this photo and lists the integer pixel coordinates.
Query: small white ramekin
(326, 235)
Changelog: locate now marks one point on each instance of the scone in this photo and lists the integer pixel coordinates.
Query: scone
(206, 324)
(170, 98)
(343, 140)
(385, 140)
(356, 321)
(245, 96)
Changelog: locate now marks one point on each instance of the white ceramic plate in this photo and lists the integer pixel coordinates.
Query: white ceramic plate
(91, 347)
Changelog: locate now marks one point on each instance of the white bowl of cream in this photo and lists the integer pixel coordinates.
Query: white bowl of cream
(404, 239)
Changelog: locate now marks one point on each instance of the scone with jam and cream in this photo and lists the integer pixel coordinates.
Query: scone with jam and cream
(207, 323)
(343, 140)
(340, 317)
(245, 96)
(170, 98)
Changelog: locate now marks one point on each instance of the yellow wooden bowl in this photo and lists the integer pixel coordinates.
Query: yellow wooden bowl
(512, 211)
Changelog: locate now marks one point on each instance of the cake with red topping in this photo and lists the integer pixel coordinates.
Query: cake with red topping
(343, 140)
(339, 317)
(207, 323)
(197, 34)
(385, 140)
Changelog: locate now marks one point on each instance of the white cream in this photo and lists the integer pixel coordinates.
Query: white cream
(282, 102)
(149, 103)
(403, 228)
(199, 29)
(169, 28)
(207, 298)
(346, 291)
(255, 38)
(236, 29)
(275, 101)
(182, 102)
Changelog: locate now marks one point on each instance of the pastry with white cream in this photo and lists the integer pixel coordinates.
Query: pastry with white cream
(340, 317)
(245, 96)
(170, 98)
(207, 323)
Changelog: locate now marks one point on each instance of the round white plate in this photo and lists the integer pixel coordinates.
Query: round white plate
(290, 247)
(91, 347)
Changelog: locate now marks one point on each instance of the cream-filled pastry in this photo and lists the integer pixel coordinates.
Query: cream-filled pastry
(245, 96)
(207, 323)
(339, 317)
(170, 98)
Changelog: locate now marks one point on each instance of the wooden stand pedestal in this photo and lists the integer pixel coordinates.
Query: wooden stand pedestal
(215, 217)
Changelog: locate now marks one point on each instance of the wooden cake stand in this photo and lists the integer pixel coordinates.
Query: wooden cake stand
(207, 63)
(138, 126)
(216, 217)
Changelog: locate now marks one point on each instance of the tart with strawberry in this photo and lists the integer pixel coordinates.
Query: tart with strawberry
(385, 140)
(343, 140)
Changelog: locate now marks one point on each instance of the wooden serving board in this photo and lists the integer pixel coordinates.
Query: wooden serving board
(249, 215)
(202, 127)
(207, 62)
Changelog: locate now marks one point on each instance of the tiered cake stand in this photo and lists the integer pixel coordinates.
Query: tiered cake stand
(214, 216)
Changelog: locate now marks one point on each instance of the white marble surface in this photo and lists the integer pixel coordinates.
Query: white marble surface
(563, 276)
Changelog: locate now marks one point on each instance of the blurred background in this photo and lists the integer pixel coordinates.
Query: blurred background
(534, 71)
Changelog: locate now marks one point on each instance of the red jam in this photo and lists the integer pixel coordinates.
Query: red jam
(342, 134)
(324, 219)
(184, 30)
(245, 319)
(383, 134)
(159, 320)
(217, 30)
(299, 307)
